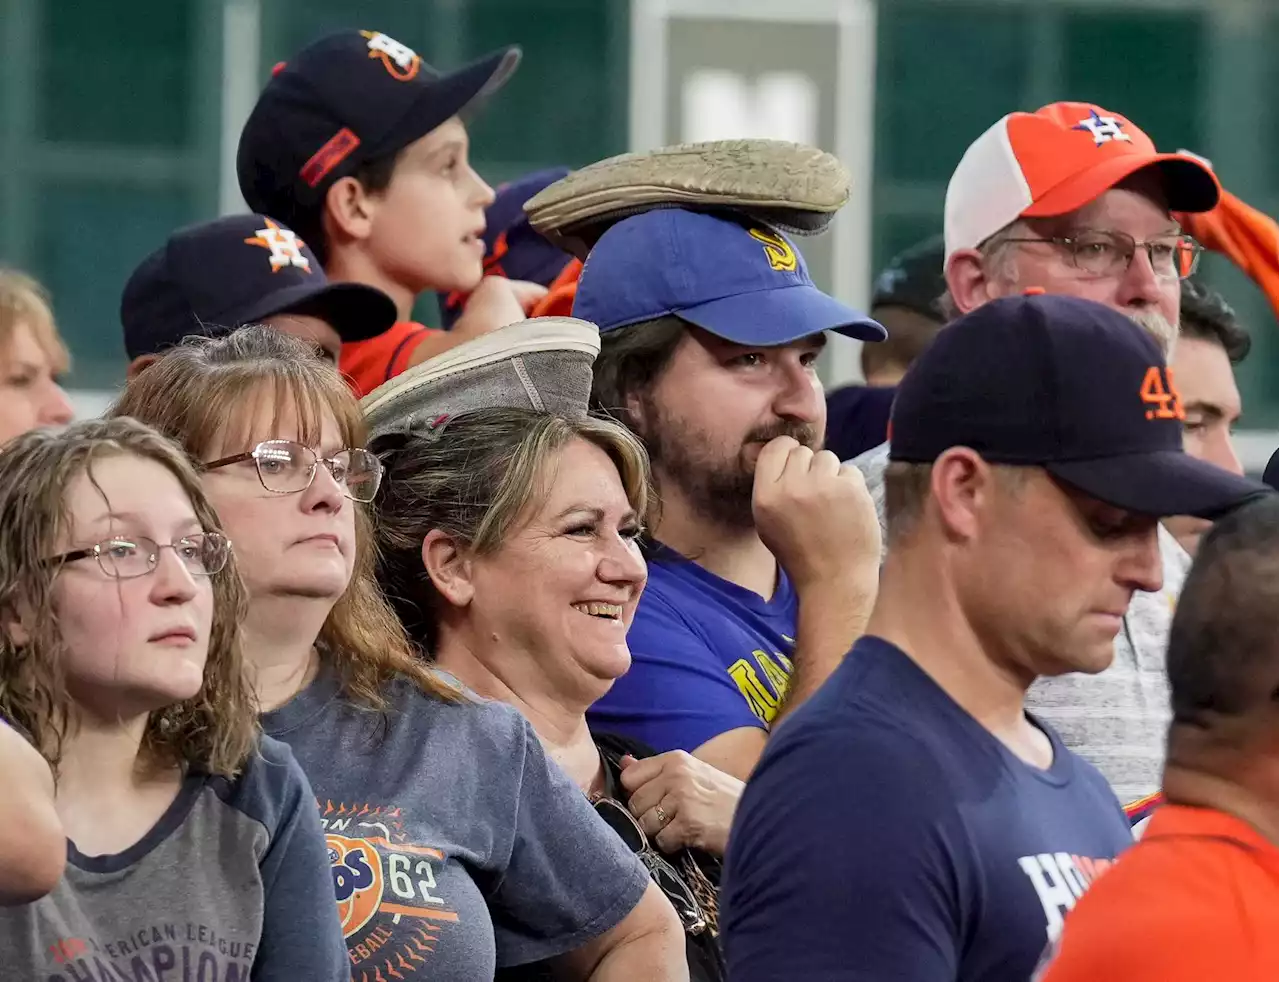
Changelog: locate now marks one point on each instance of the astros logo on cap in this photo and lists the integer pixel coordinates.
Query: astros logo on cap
(285, 246)
(777, 250)
(1102, 128)
(401, 61)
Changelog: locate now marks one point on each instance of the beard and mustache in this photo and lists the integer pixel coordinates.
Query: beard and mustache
(717, 485)
(1154, 323)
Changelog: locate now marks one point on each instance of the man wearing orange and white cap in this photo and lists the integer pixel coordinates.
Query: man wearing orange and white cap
(1075, 199)
(1063, 199)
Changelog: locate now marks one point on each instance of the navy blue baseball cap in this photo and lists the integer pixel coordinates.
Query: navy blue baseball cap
(741, 282)
(346, 99)
(511, 246)
(214, 277)
(1068, 385)
(913, 279)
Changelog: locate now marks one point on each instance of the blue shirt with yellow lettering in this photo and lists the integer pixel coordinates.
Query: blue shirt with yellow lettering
(707, 656)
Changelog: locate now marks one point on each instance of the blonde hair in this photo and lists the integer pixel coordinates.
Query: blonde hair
(474, 477)
(215, 729)
(200, 388)
(24, 301)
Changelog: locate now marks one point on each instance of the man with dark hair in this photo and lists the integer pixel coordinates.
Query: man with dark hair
(912, 820)
(1210, 343)
(905, 299)
(765, 555)
(359, 145)
(1196, 898)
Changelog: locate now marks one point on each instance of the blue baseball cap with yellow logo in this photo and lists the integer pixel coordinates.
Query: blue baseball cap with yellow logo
(741, 282)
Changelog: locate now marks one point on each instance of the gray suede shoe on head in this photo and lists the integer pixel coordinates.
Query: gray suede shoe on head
(542, 364)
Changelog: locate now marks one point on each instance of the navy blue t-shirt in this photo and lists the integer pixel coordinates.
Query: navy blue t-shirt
(858, 418)
(886, 835)
(707, 656)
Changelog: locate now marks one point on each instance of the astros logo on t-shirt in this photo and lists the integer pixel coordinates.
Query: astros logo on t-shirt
(386, 890)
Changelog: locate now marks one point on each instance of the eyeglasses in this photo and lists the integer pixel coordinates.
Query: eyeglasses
(285, 467)
(1173, 257)
(124, 557)
(669, 881)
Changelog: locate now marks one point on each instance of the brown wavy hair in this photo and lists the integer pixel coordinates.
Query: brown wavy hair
(200, 389)
(215, 730)
(475, 476)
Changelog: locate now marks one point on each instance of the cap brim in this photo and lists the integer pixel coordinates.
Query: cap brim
(357, 312)
(1189, 185)
(449, 95)
(1160, 483)
(773, 317)
(1271, 473)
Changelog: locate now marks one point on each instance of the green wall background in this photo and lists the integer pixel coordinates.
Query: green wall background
(110, 122)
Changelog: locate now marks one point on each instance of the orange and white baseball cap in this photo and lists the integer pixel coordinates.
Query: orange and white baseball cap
(1055, 160)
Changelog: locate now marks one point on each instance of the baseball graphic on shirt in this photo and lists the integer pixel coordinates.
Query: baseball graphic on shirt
(389, 901)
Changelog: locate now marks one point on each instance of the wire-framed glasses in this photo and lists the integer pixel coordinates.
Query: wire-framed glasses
(286, 467)
(1107, 253)
(124, 557)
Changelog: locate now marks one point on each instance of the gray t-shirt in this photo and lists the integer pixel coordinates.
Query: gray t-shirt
(457, 845)
(1116, 719)
(230, 885)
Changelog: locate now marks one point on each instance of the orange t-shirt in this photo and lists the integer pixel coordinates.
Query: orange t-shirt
(560, 293)
(367, 364)
(1194, 900)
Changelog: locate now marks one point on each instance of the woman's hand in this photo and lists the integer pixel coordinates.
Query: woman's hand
(681, 801)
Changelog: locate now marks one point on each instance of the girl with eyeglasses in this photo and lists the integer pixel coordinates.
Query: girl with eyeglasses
(189, 836)
(457, 846)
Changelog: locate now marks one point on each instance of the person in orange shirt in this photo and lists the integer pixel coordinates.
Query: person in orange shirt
(514, 249)
(1196, 898)
(358, 145)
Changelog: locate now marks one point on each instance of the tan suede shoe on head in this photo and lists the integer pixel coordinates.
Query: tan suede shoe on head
(789, 186)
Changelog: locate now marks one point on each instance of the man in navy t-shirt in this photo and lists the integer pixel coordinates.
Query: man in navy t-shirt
(767, 550)
(911, 821)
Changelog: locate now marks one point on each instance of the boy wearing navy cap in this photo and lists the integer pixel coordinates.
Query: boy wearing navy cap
(359, 146)
(765, 558)
(244, 269)
(1034, 448)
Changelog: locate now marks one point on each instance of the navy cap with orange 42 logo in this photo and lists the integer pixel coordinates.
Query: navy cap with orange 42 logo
(346, 99)
(1068, 385)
